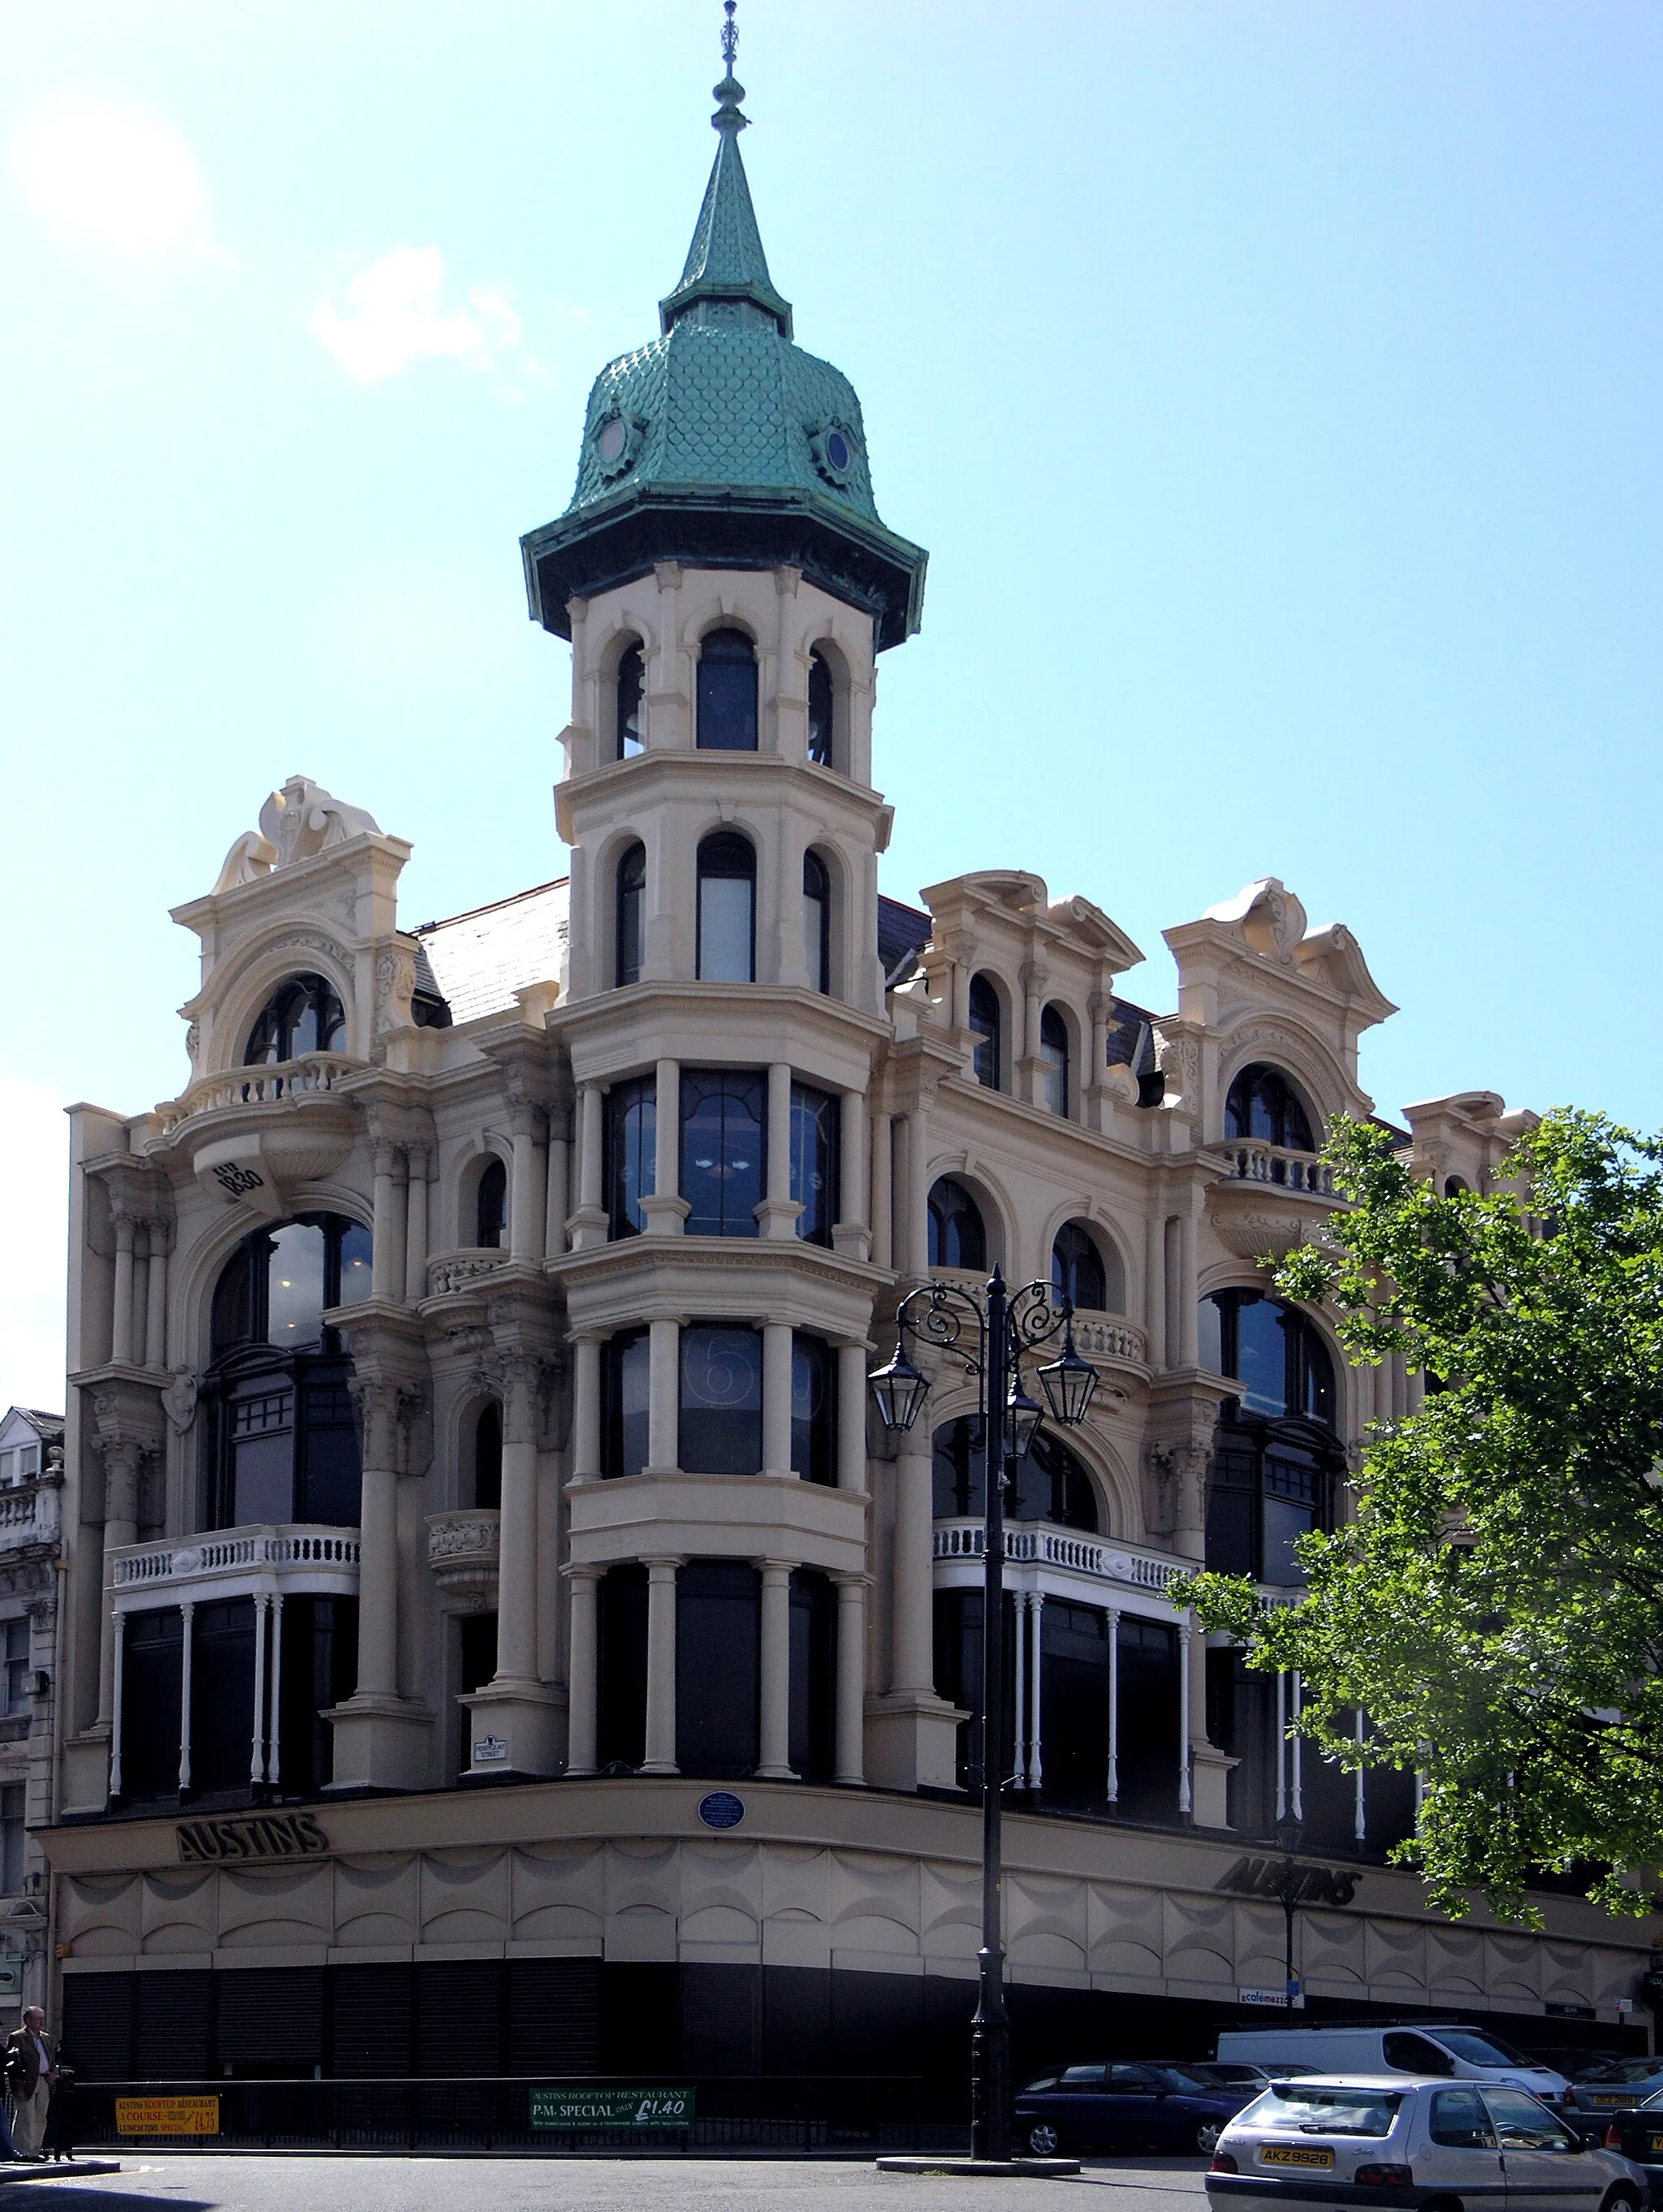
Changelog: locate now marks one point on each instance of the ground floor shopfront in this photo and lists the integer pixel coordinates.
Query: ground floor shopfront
(600, 1927)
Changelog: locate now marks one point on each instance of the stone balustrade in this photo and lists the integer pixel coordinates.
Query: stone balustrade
(315, 1073)
(28, 1516)
(236, 1562)
(1110, 1336)
(1252, 1161)
(1098, 1558)
(449, 1272)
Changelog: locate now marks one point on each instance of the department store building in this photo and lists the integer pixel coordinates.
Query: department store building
(470, 1493)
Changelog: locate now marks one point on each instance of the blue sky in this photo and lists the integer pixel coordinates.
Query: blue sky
(1274, 383)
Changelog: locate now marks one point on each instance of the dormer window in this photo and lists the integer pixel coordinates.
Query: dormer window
(632, 690)
(1263, 1104)
(821, 706)
(727, 693)
(303, 1015)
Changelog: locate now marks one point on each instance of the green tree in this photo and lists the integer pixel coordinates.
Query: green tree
(1494, 1601)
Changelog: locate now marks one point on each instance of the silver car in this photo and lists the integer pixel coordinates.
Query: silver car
(1425, 2146)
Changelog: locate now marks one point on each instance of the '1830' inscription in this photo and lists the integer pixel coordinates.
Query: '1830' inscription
(261, 1836)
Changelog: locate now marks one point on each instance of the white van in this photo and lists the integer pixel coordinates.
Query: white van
(1456, 2052)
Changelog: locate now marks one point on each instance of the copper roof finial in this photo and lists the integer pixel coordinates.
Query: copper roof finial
(730, 36)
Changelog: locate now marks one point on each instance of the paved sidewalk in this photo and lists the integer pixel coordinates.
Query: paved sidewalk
(157, 2181)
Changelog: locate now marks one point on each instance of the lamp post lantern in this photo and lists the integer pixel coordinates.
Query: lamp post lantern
(987, 1334)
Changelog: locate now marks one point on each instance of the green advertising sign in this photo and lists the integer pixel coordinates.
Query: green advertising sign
(11, 1973)
(611, 2108)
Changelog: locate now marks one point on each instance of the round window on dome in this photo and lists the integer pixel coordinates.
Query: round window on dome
(837, 449)
(613, 439)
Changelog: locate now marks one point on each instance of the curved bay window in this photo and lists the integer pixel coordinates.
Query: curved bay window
(813, 1408)
(958, 1236)
(985, 1024)
(815, 1132)
(632, 1120)
(1054, 1052)
(624, 1382)
(727, 692)
(1276, 1456)
(491, 1204)
(1261, 1103)
(823, 699)
(631, 691)
(629, 930)
(817, 922)
(1052, 1485)
(723, 1150)
(721, 1401)
(726, 949)
(305, 1014)
(284, 1443)
(1078, 1273)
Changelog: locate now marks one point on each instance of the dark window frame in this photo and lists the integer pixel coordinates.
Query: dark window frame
(271, 1037)
(491, 1204)
(823, 710)
(629, 916)
(729, 1435)
(816, 893)
(725, 856)
(987, 1012)
(820, 1113)
(1057, 1051)
(1264, 1106)
(953, 1210)
(621, 1429)
(1075, 1252)
(747, 1088)
(629, 696)
(814, 1433)
(726, 714)
(629, 1154)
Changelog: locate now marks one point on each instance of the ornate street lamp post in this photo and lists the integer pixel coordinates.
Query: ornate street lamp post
(988, 1335)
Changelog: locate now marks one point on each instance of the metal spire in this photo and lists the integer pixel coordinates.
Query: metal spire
(730, 92)
(730, 36)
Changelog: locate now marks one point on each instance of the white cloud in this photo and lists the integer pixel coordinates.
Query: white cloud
(395, 316)
(34, 1141)
(112, 181)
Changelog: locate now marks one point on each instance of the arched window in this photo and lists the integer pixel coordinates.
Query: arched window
(283, 1445)
(957, 1238)
(491, 1204)
(487, 1457)
(305, 1014)
(1053, 1051)
(813, 1408)
(727, 910)
(727, 692)
(723, 1150)
(1453, 1186)
(631, 918)
(1275, 1456)
(631, 1153)
(815, 1132)
(1274, 1353)
(821, 708)
(984, 1025)
(1078, 1273)
(1052, 1485)
(817, 922)
(624, 1380)
(1262, 1103)
(632, 689)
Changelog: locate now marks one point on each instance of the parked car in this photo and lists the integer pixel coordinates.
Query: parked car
(1575, 2061)
(1126, 2104)
(1236, 2072)
(1639, 2135)
(1456, 2051)
(1620, 2084)
(1418, 2145)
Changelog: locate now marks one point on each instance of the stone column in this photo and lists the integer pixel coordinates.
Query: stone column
(528, 1186)
(585, 1408)
(587, 1226)
(415, 1225)
(118, 1684)
(660, 1746)
(663, 1397)
(378, 1566)
(776, 1399)
(122, 1457)
(1174, 1269)
(774, 1765)
(557, 1203)
(582, 1587)
(914, 1580)
(1155, 1289)
(516, 1618)
(121, 1324)
(187, 1632)
(256, 1754)
(387, 1252)
(274, 1765)
(1114, 1790)
(850, 1763)
(1183, 1716)
(851, 1233)
(156, 1298)
(916, 1247)
(883, 1192)
(852, 1417)
(1019, 1687)
(779, 1211)
(1036, 1646)
(1189, 1289)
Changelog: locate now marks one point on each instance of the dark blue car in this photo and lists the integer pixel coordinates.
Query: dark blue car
(1125, 2104)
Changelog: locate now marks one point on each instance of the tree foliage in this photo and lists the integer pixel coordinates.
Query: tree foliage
(1495, 1603)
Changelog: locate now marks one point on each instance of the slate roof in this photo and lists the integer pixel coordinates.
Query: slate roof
(476, 962)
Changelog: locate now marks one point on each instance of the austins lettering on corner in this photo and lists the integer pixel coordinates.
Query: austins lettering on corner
(262, 1835)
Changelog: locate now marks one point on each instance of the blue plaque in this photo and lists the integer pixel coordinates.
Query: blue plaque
(721, 1809)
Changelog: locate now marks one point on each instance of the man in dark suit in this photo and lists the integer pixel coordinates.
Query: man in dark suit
(31, 2070)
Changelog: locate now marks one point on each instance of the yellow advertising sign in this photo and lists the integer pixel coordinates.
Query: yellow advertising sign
(167, 2116)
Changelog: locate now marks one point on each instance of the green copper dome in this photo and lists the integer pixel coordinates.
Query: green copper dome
(722, 444)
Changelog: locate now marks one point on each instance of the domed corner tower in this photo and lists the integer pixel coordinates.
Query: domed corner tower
(726, 583)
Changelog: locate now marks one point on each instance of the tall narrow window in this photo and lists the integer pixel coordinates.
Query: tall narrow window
(1077, 1274)
(723, 1150)
(631, 1153)
(491, 1206)
(815, 1129)
(985, 1027)
(727, 910)
(1261, 1103)
(957, 1238)
(18, 1666)
(13, 1801)
(632, 686)
(631, 920)
(1053, 1051)
(727, 692)
(813, 1408)
(822, 700)
(817, 922)
(721, 1411)
(624, 1372)
(488, 1463)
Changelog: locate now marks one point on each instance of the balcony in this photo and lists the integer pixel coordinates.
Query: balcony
(1036, 1544)
(314, 1074)
(463, 1552)
(1269, 1198)
(272, 1561)
(1255, 1162)
(29, 1516)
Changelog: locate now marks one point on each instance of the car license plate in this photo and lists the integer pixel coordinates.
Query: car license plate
(1654, 2142)
(1613, 2097)
(1295, 2155)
